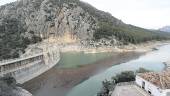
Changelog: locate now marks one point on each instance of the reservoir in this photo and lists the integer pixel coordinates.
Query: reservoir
(80, 74)
(78, 59)
(151, 61)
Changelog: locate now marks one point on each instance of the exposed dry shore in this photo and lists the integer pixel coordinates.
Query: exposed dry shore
(143, 47)
(57, 82)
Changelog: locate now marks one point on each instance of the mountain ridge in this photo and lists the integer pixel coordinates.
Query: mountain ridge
(165, 29)
(31, 21)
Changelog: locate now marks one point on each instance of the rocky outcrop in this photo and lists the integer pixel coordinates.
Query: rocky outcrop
(29, 21)
(66, 22)
(8, 87)
(49, 18)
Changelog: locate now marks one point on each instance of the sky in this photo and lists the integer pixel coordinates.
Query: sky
(150, 14)
(2, 2)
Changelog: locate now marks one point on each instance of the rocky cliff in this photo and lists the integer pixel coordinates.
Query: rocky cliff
(28, 21)
(46, 18)
(67, 21)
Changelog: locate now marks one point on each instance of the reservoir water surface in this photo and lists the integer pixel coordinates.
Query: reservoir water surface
(70, 77)
(151, 61)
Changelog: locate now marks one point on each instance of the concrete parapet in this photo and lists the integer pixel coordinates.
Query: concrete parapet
(26, 68)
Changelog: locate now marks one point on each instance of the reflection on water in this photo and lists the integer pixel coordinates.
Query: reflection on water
(60, 79)
(152, 61)
(77, 59)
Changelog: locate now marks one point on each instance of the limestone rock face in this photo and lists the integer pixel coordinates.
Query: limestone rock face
(51, 18)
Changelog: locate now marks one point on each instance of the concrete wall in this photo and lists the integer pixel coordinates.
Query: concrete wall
(155, 91)
(27, 68)
(49, 60)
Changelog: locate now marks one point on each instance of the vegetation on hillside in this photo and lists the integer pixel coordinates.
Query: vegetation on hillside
(12, 41)
(9, 87)
(12, 32)
(60, 2)
(111, 26)
(101, 16)
(7, 84)
(128, 33)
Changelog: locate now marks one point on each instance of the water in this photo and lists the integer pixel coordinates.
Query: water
(53, 82)
(73, 60)
(151, 61)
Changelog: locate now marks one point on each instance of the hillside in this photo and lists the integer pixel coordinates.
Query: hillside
(109, 25)
(68, 21)
(165, 29)
(8, 87)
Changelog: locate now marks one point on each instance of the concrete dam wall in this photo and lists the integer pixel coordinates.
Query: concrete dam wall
(26, 68)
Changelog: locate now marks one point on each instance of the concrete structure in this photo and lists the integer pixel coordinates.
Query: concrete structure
(28, 67)
(128, 90)
(156, 84)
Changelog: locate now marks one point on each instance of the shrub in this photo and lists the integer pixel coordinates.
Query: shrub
(8, 80)
(126, 76)
(142, 70)
(12, 42)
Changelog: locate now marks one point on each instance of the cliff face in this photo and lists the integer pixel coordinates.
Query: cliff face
(28, 21)
(49, 18)
(67, 21)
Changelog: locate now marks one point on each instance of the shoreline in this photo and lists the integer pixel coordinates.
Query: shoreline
(59, 81)
(143, 47)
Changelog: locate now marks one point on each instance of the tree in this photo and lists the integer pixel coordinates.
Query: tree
(126, 76)
(142, 70)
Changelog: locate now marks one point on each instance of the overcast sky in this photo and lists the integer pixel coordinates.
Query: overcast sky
(151, 14)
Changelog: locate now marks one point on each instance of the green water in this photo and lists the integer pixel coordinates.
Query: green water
(68, 60)
(151, 61)
(78, 59)
(90, 87)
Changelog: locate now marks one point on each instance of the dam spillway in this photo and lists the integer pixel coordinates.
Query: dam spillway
(26, 68)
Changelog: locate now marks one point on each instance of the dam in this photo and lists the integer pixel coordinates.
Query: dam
(30, 66)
